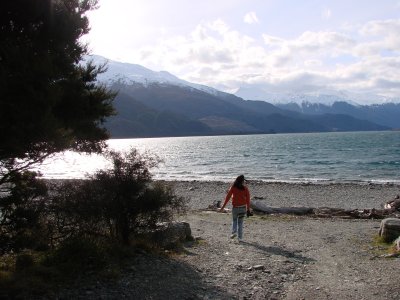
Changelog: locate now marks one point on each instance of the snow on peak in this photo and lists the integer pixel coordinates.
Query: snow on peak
(326, 97)
(283, 98)
(129, 73)
(132, 73)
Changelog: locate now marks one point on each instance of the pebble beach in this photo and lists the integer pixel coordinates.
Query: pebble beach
(278, 194)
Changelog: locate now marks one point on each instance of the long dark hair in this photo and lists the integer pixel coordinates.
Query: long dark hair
(239, 181)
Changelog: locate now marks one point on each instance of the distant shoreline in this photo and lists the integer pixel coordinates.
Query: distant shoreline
(241, 134)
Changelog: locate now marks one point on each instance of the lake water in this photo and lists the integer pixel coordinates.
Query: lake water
(311, 157)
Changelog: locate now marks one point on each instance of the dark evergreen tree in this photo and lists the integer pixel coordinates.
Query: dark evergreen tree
(49, 100)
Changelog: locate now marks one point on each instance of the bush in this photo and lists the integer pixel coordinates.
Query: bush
(117, 202)
(74, 212)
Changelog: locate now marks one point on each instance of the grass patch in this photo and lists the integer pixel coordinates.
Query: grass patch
(24, 275)
(380, 247)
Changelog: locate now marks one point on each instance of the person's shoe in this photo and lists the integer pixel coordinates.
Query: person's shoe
(233, 235)
(240, 240)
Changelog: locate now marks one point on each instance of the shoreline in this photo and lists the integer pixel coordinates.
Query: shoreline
(317, 181)
(200, 194)
(280, 194)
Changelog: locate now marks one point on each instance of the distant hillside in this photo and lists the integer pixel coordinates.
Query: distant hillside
(134, 119)
(165, 109)
(387, 114)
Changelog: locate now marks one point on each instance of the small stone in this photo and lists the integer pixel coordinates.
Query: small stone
(287, 261)
(258, 267)
(238, 267)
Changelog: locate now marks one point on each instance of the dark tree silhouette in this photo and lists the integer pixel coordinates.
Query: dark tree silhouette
(49, 100)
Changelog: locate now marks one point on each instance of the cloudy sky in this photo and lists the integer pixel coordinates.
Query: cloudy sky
(279, 46)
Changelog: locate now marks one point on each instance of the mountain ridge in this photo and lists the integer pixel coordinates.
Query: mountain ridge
(160, 104)
(387, 114)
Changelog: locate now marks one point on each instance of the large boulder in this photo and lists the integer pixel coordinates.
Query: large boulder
(170, 235)
(390, 229)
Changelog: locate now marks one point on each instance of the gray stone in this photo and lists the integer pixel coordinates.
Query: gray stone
(397, 243)
(390, 229)
(170, 235)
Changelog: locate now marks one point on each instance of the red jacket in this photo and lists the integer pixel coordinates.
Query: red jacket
(239, 197)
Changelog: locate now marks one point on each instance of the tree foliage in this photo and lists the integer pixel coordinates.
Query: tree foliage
(49, 100)
(22, 223)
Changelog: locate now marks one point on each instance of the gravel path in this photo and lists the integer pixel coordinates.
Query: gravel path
(282, 257)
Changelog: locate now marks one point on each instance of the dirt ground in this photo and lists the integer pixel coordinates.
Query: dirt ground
(282, 257)
(293, 258)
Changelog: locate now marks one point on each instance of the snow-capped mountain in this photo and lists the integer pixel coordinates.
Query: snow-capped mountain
(325, 97)
(128, 73)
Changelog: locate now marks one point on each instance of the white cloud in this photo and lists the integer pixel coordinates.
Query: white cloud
(328, 43)
(272, 40)
(326, 14)
(219, 26)
(313, 63)
(384, 35)
(378, 27)
(217, 55)
(250, 18)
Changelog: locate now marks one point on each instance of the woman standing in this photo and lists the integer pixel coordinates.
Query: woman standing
(240, 205)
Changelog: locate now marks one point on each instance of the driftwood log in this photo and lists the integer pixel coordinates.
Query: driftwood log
(261, 206)
(325, 212)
